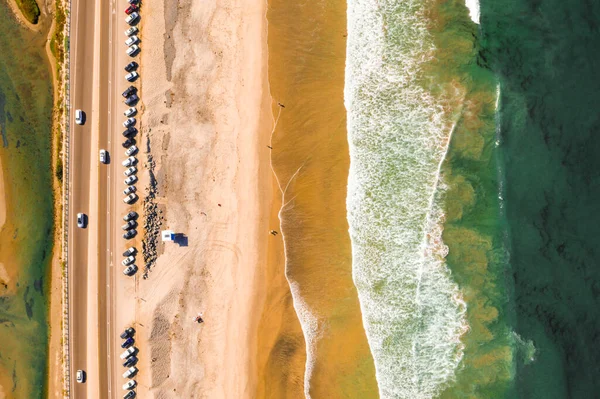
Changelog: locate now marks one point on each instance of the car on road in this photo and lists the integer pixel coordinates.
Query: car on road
(128, 260)
(129, 122)
(132, 100)
(132, 76)
(132, 224)
(129, 395)
(132, 50)
(132, 31)
(129, 91)
(130, 270)
(130, 171)
(129, 331)
(132, 40)
(131, 9)
(129, 161)
(130, 180)
(130, 362)
(80, 376)
(129, 234)
(103, 156)
(132, 18)
(130, 216)
(127, 343)
(79, 117)
(130, 198)
(130, 112)
(131, 131)
(129, 384)
(81, 220)
(131, 150)
(130, 372)
(128, 352)
(129, 190)
(129, 251)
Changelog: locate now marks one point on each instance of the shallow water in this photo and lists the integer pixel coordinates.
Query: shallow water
(26, 237)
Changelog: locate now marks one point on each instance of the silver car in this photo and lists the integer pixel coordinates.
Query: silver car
(130, 198)
(129, 225)
(132, 40)
(129, 122)
(129, 190)
(132, 51)
(130, 111)
(131, 18)
(129, 171)
(130, 180)
(128, 261)
(81, 220)
(132, 31)
(129, 161)
(130, 372)
(131, 150)
(103, 157)
(130, 270)
(129, 385)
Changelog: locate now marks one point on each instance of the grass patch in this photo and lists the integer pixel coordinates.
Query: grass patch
(30, 10)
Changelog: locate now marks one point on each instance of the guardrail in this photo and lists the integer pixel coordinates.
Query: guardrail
(66, 150)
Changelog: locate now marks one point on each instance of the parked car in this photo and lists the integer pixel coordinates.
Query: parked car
(132, 76)
(129, 91)
(129, 251)
(131, 215)
(80, 376)
(130, 112)
(130, 171)
(103, 156)
(129, 234)
(130, 372)
(128, 260)
(129, 225)
(129, 161)
(127, 343)
(129, 122)
(130, 362)
(79, 117)
(128, 143)
(128, 352)
(133, 1)
(132, 40)
(129, 384)
(81, 220)
(132, 18)
(131, 131)
(132, 31)
(130, 270)
(132, 50)
(129, 395)
(131, 150)
(131, 9)
(129, 190)
(128, 332)
(131, 180)
(132, 100)
(130, 198)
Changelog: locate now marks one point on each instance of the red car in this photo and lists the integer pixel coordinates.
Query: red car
(131, 9)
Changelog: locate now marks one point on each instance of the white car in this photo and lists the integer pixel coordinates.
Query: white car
(80, 376)
(129, 171)
(129, 122)
(130, 198)
(130, 351)
(131, 180)
(132, 31)
(128, 261)
(131, 18)
(132, 50)
(131, 150)
(130, 111)
(129, 190)
(130, 270)
(129, 385)
(79, 117)
(81, 220)
(132, 76)
(130, 371)
(103, 157)
(129, 161)
(129, 251)
(132, 40)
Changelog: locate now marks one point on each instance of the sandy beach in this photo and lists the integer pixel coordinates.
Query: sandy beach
(206, 122)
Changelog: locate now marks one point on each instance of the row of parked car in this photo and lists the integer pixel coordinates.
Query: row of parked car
(129, 357)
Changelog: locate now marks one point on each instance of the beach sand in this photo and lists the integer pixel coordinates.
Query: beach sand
(207, 119)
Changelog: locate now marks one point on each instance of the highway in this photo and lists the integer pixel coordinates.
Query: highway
(97, 60)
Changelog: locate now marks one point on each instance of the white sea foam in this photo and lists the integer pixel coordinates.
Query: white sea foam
(473, 6)
(398, 135)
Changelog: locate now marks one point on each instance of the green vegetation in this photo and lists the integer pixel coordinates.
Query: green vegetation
(59, 45)
(30, 10)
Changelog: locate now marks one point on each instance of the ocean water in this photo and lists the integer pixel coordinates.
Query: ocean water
(545, 55)
(26, 237)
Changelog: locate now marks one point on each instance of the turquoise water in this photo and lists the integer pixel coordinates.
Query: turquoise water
(26, 238)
